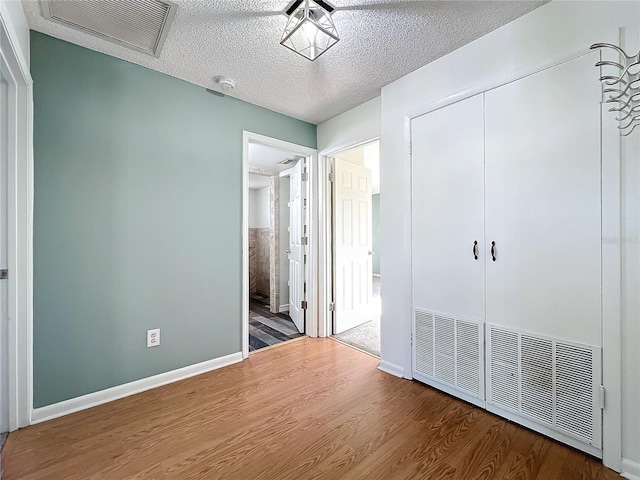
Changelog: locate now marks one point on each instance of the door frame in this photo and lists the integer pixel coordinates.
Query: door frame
(311, 324)
(15, 68)
(325, 234)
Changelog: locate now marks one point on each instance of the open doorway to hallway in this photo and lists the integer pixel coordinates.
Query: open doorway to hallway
(355, 195)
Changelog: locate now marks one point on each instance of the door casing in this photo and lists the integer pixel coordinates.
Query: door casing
(15, 69)
(311, 324)
(324, 221)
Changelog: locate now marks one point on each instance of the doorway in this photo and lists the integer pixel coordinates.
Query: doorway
(276, 242)
(355, 226)
(270, 322)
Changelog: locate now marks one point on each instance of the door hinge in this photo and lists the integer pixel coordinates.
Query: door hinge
(304, 241)
(305, 176)
(602, 396)
(332, 307)
(331, 177)
(303, 305)
(4, 274)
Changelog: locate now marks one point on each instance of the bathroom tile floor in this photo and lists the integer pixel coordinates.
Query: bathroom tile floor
(266, 328)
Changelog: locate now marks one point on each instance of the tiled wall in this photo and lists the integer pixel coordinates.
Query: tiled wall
(259, 260)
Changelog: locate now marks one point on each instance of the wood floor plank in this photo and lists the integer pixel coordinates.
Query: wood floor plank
(310, 409)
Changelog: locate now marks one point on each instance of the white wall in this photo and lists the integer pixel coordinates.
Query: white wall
(355, 126)
(553, 32)
(259, 208)
(13, 16)
(284, 240)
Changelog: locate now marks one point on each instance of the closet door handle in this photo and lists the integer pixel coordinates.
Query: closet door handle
(493, 251)
(475, 250)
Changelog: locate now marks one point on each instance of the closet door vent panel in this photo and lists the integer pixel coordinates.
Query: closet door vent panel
(449, 354)
(551, 384)
(468, 359)
(445, 349)
(504, 369)
(575, 390)
(423, 340)
(537, 378)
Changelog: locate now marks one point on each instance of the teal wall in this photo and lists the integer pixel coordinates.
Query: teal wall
(375, 212)
(137, 219)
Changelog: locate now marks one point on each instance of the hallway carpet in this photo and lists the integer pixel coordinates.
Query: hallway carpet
(366, 337)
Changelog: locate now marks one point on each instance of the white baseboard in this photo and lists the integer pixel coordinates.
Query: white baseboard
(284, 308)
(83, 402)
(391, 368)
(630, 469)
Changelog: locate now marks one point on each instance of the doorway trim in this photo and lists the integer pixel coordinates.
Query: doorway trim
(311, 324)
(19, 224)
(325, 234)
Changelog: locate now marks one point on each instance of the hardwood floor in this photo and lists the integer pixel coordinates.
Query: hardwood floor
(308, 409)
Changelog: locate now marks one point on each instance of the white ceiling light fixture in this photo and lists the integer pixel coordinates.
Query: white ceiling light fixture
(310, 30)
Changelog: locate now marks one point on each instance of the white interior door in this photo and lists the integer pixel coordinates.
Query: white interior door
(543, 206)
(4, 295)
(543, 247)
(353, 257)
(448, 210)
(297, 242)
(447, 249)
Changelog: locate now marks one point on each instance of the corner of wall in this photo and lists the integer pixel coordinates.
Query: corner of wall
(354, 126)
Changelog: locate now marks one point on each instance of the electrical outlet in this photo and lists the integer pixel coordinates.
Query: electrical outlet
(153, 337)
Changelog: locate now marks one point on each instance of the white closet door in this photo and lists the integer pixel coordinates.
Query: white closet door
(448, 210)
(448, 250)
(543, 203)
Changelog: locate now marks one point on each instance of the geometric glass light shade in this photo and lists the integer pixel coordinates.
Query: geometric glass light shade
(310, 30)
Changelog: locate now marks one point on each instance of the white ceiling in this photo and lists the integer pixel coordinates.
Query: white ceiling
(268, 158)
(381, 41)
(256, 182)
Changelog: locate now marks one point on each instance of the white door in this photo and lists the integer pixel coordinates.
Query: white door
(297, 242)
(543, 203)
(448, 248)
(543, 247)
(353, 258)
(448, 210)
(4, 297)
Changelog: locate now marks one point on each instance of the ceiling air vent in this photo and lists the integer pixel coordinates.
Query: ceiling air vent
(288, 161)
(137, 24)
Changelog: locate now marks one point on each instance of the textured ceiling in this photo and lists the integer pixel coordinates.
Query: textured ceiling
(381, 41)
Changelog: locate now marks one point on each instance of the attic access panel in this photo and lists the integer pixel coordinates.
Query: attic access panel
(140, 25)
